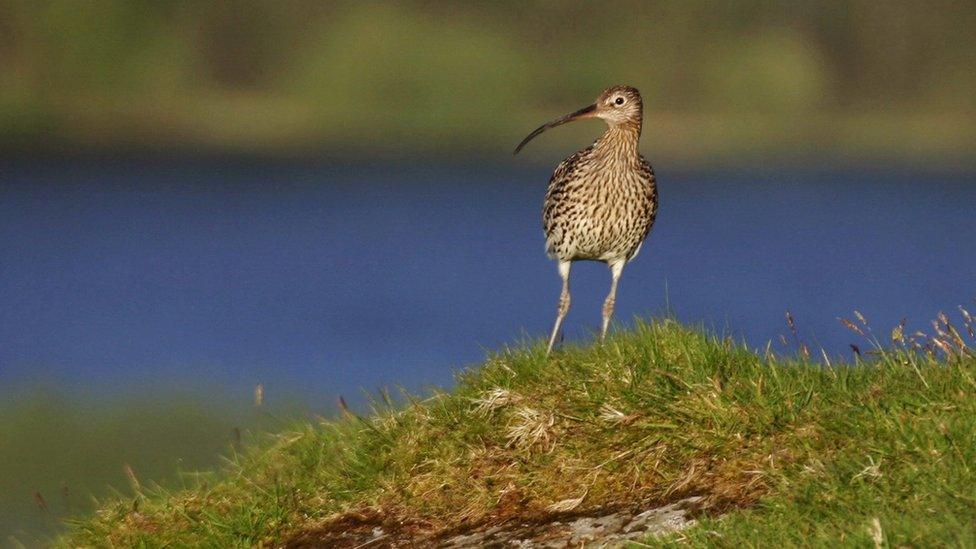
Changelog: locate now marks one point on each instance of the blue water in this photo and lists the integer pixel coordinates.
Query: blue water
(319, 279)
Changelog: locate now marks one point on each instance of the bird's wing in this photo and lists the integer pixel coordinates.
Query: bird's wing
(556, 196)
(565, 173)
(647, 171)
(646, 168)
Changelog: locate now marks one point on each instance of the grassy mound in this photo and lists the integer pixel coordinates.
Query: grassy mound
(877, 452)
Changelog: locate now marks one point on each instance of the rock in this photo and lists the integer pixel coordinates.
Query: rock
(608, 530)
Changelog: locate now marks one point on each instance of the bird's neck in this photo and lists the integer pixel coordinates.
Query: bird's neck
(619, 142)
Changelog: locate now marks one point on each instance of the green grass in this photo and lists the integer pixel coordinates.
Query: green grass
(59, 450)
(780, 448)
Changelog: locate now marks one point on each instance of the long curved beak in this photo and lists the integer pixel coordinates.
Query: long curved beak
(585, 112)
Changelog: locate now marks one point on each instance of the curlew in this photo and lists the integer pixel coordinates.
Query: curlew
(602, 200)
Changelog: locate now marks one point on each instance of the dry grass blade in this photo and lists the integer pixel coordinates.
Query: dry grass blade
(130, 475)
(611, 415)
(566, 505)
(494, 399)
(956, 337)
(530, 427)
(877, 534)
(943, 346)
(873, 470)
(823, 353)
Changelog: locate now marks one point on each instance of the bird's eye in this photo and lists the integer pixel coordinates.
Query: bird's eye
(619, 101)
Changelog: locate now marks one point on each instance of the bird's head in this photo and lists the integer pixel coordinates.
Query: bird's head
(618, 106)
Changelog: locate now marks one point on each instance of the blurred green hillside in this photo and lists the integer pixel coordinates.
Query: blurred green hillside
(722, 80)
(58, 452)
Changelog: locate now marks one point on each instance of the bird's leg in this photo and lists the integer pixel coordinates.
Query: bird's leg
(563, 303)
(616, 269)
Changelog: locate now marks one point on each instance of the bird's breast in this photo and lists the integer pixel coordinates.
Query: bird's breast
(601, 212)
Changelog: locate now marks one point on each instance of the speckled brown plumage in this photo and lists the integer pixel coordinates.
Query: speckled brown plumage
(602, 201)
(599, 207)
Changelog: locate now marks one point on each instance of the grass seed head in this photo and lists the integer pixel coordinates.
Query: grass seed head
(898, 333)
(851, 326)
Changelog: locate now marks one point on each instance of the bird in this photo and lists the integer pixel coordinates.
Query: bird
(601, 201)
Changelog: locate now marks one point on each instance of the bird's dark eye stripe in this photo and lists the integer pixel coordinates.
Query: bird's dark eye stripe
(619, 101)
